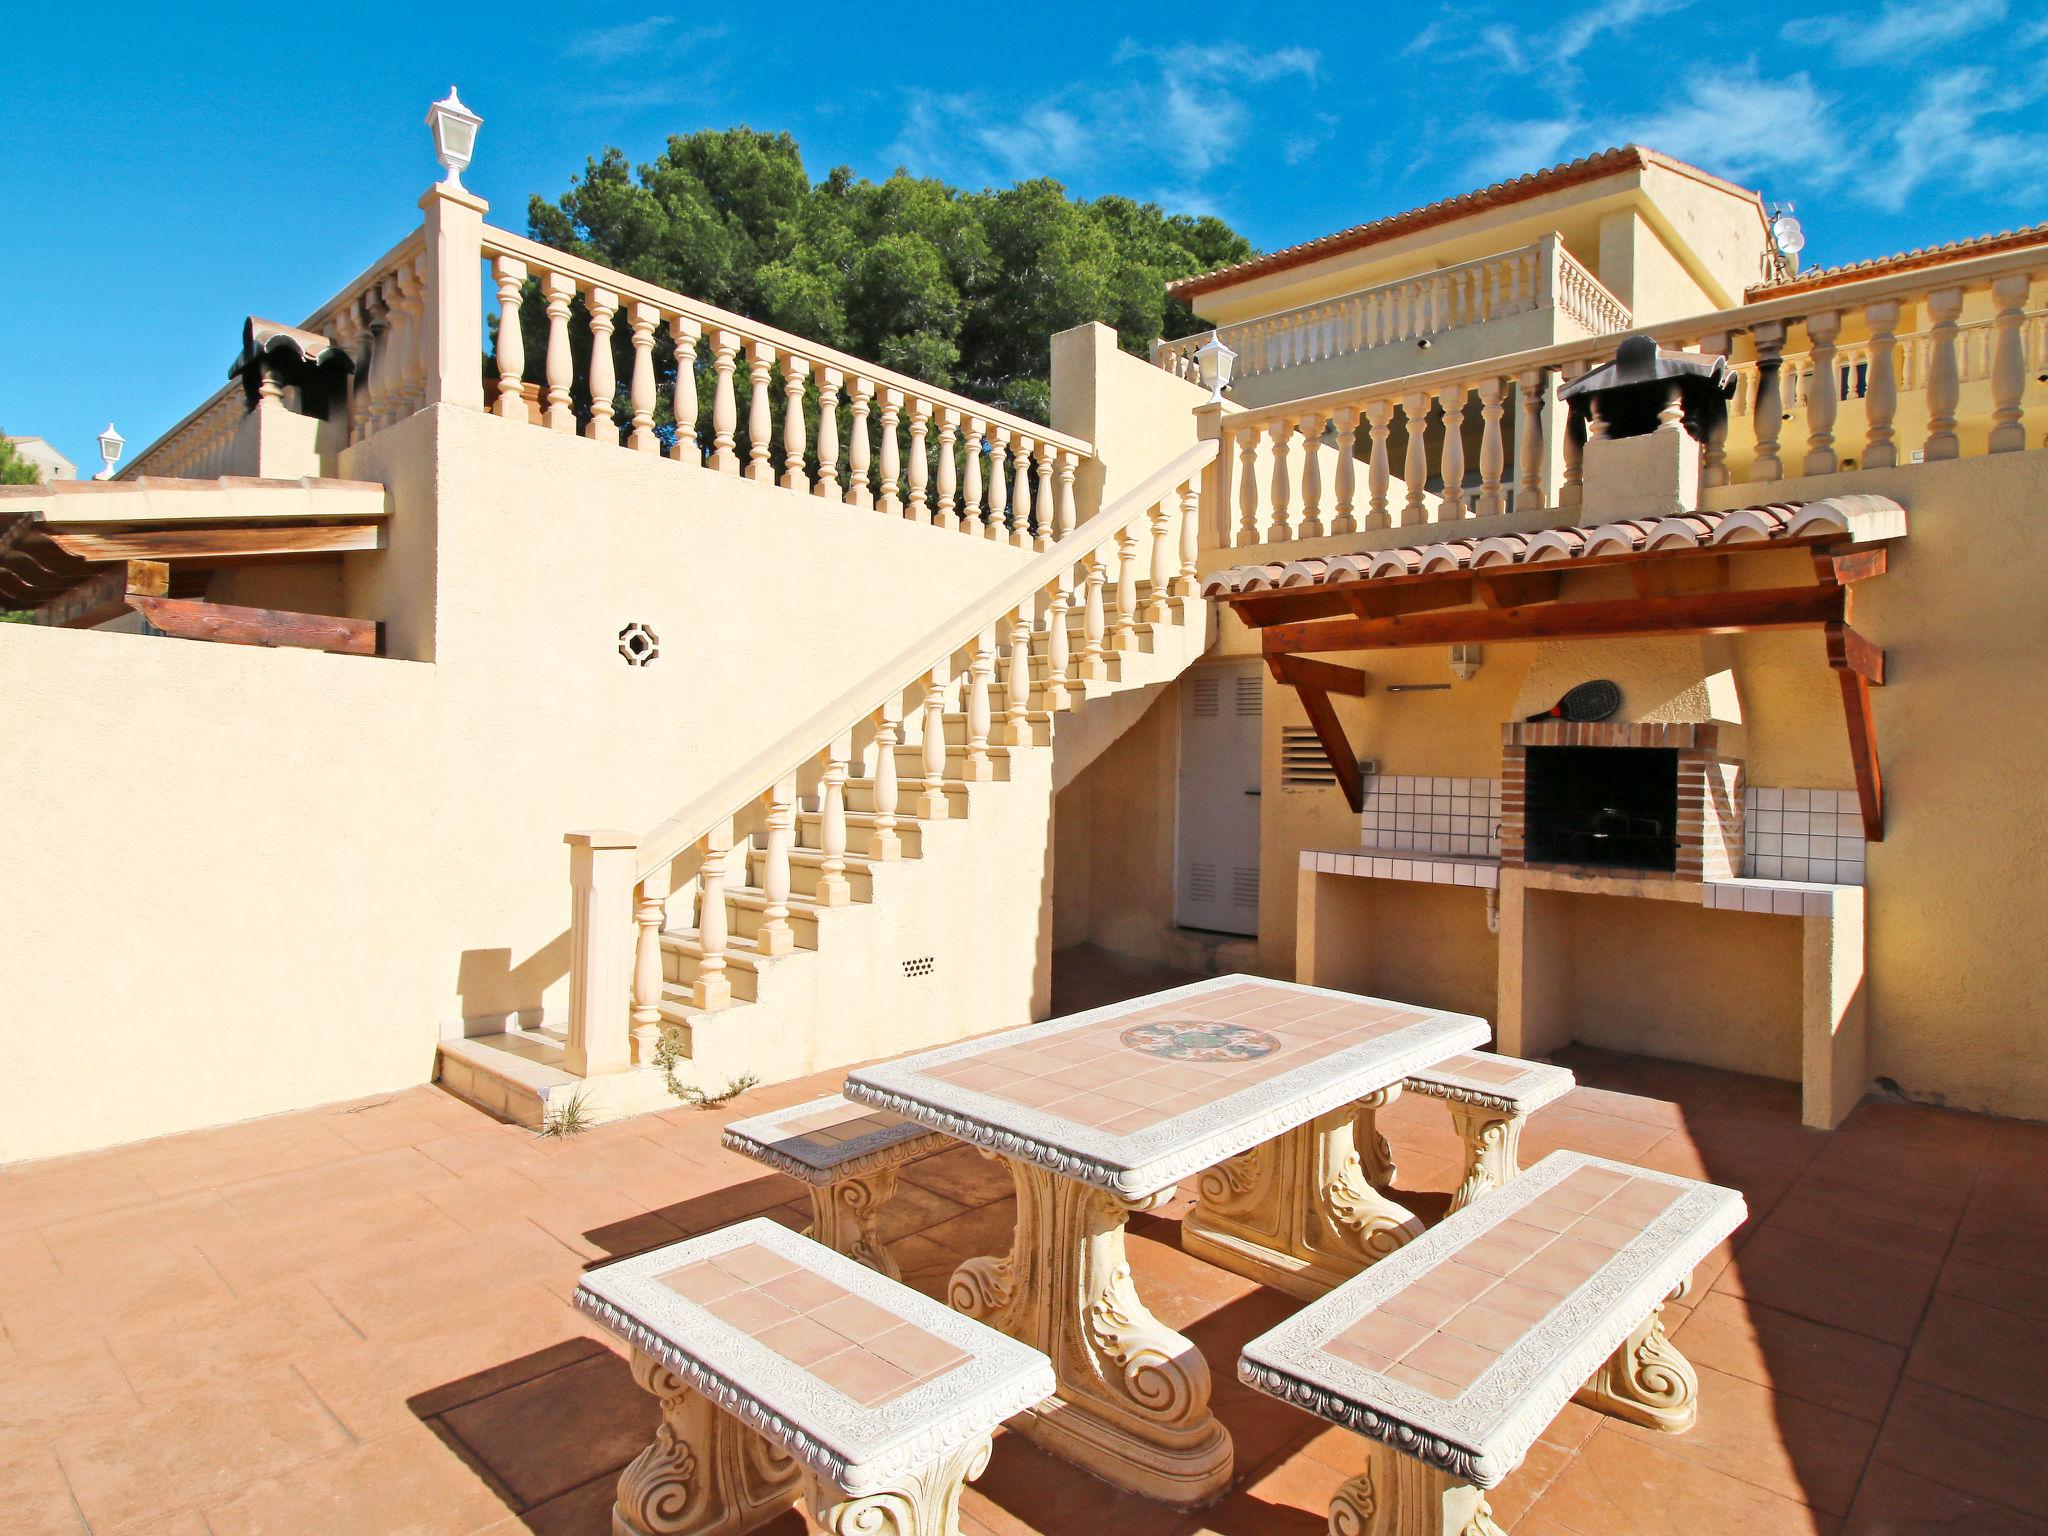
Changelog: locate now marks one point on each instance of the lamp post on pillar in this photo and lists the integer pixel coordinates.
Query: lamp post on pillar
(454, 249)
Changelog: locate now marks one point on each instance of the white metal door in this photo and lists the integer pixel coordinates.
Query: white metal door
(1217, 862)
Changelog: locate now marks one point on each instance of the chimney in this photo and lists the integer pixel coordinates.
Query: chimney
(1642, 419)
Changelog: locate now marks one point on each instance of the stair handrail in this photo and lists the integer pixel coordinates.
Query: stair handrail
(800, 744)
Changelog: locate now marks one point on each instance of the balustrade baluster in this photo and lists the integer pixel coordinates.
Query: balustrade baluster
(1020, 493)
(363, 388)
(979, 672)
(1379, 416)
(829, 380)
(1415, 465)
(860, 445)
(1571, 489)
(712, 988)
(686, 332)
(724, 405)
(1768, 336)
(760, 413)
(1017, 689)
(1823, 327)
(1056, 647)
(1311, 476)
(949, 435)
(1163, 564)
(1042, 499)
(644, 318)
(603, 426)
(1187, 582)
(1281, 432)
(1450, 400)
(561, 366)
(1533, 385)
(1714, 451)
(650, 910)
(931, 800)
(2008, 361)
(1944, 382)
(998, 482)
(834, 890)
(511, 345)
(1094, 649)
(884, 842)
(1345, 422)
(892, 409)
(1492, 450)
(413, 289)
(1064, 515)
(775, 936)
(916, 506)
(1247, 442)
(1125, 635)
(970, 494)
(796, 373)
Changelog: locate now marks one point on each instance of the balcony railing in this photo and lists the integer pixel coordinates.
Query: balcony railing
(1949, 387)
(1515, 282)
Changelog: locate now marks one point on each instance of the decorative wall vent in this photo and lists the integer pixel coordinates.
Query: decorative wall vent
(1250, 697)
(1208, 697)
(1303, 763)
(639, 645)
(921, 966)
(1244, 886)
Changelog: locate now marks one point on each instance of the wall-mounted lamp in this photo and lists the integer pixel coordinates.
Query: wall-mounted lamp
(1215, 360)
(111, 444)
(1465, 661)
(455, 129)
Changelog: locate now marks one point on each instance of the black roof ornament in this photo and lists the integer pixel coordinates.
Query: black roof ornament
(1631, 395)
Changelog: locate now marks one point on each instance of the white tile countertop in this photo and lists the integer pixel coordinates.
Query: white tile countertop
(1785, 898)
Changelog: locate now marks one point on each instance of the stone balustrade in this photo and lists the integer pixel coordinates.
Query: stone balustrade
(1514, 282)
(924, 723)
(748, 399)
(1925, 366)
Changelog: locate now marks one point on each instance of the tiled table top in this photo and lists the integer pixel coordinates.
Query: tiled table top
(1139, 1095)
(1504, 1081)
(860, 1378)
(1461, 1347)
(822, 1140)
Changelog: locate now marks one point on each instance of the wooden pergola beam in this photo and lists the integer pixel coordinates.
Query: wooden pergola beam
(1313, 682)
(217, 543)
(1302, 671)
(1859, 667)
(224, 623)
(106, 595)
(1701, 613)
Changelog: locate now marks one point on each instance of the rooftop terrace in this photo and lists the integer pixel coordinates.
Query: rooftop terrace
(355, 1319)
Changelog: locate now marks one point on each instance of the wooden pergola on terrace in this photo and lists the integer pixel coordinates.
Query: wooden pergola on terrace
(1510, 587)
(81, 553)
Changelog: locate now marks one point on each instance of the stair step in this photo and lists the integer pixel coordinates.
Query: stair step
(681, 950)
(807, 868)
(749, 906)
(910, 760)
(860, 826)
(860, 795)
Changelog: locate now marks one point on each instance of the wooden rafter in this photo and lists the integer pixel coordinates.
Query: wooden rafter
(1859, 667)
(217, 543)
(1313, 682)
(230, 625)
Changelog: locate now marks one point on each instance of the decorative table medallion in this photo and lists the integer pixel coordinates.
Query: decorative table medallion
(1199, 1040)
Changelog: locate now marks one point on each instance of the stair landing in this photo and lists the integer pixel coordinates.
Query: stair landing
(518, 1075)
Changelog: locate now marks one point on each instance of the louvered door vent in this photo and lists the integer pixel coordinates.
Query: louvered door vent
(1302, 762)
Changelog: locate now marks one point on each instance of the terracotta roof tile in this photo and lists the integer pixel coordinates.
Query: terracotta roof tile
(1903, 261)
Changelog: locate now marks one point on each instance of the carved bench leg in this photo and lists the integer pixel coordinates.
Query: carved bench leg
(1375, 1152)
(1647, 1381)
(706, 1474)
(1396, 1495)
(1493, 1149)
(926, 1503)
(846, 1217)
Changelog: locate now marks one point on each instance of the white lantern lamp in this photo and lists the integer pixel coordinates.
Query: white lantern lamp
(455, 129)
(111, 444)
(1215, 360)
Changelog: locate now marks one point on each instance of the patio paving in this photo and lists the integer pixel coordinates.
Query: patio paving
(354, 1319)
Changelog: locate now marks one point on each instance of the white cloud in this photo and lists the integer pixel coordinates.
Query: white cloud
(1583, 30)
(1301, 146)
(1901, 30)
(608, 45)
(1740, 123)
(1511, 146)
(1947, 137)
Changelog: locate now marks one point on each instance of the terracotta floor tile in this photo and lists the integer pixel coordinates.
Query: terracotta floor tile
(126, 1470)
(47, 1395)
(394, 1290)
(1637, 1107)
(517, 1435)
(292, 1248)
(1028, 1492)
(1797, 1450)
(1721, 1131)
(239, 1337)
(2005, 1242)
(1828, 1283)
(35, 1500)
(721, 1207)
(361, 1178)
(183, 1522)
(25, 1259)
(2012, 1196)
(1291, 1498)
(378, 1125)
(1911, 1143)
(1896, 1503)
(1792, 1356)
(914, 1209)
(1961, 1443)
(159, 1290)
(1679, 1084)
(493, 1146)
(2017, 1149)
(68, 1188)
(1522, 1488)
(962, 1175)
(1811, 1215)
(1617, 1486)
(1983, 1352)
(2009, 1289)
(231, 1154)
(404, 1484)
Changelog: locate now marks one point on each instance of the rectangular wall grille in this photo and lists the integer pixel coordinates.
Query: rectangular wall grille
(1303, 764)
(1249, 697)
(1208, 697)
(1244, 887)
(1201, 882)
(921, 966)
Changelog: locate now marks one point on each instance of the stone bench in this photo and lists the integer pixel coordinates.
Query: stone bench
(785, 1369)
(1455, 1352)
(1489, 1097)
(848, 1154)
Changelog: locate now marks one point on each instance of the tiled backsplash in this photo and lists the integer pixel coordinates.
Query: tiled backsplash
(1431, 815)
(1803, 834)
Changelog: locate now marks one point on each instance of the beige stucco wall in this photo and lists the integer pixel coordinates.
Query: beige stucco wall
(1113, 843)
(1954, 910)
(217, 887)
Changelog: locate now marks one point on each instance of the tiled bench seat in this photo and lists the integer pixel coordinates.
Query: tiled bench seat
(785, 1368)
(848, 1154)
(1489, 1097)
(1455, 1352)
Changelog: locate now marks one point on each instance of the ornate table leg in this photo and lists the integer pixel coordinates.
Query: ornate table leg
(1297, 1212)
(845, 1217)
(1397, 1495)
(706, 1474)
(1375, 1152)
(1647, 1381)
(926, 1503)
(1493, 1149)
(1133, 1399)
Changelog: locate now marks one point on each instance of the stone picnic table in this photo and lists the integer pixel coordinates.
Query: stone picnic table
(1256, 1084)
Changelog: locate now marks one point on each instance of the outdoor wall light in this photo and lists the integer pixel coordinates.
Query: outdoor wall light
(455, 129)
(111, 444)
(1465, 661)
(1215, 360)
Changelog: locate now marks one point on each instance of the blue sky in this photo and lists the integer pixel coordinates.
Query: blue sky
(169, 170)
